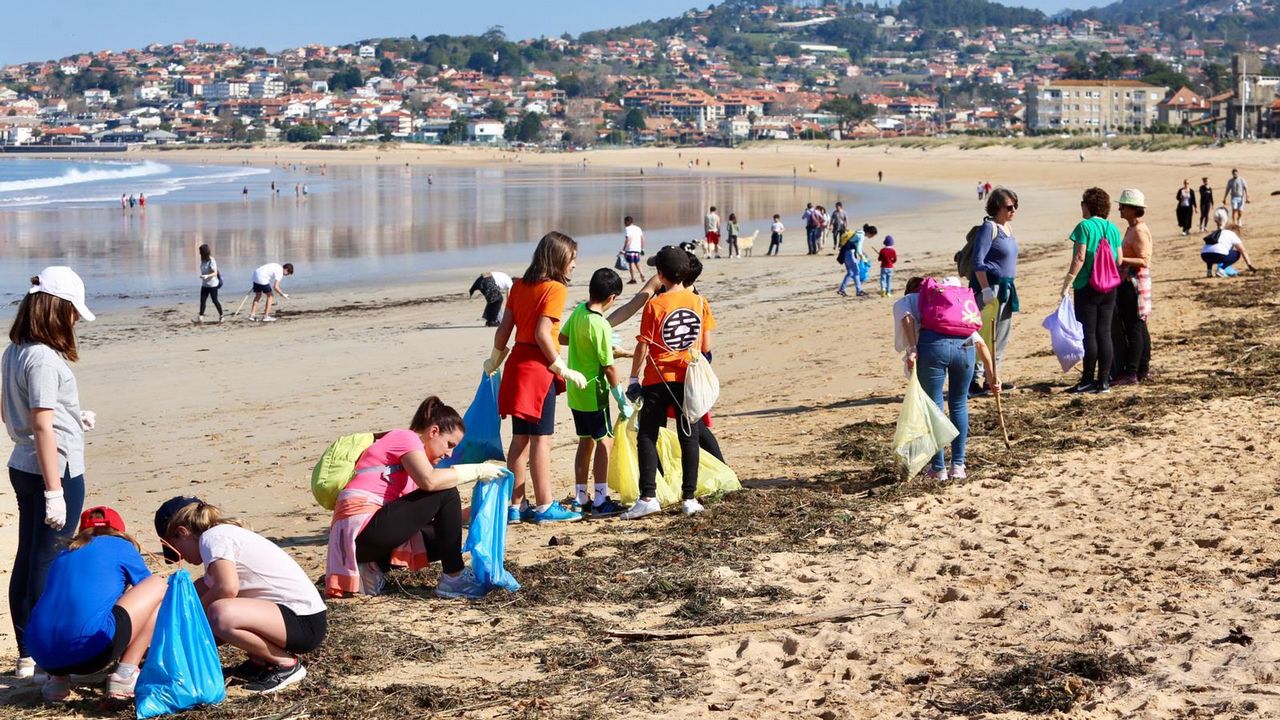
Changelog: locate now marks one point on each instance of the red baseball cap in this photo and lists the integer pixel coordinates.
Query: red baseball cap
(101, 516)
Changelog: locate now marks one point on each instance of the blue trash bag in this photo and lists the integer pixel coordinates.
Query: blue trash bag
(864, 270)
(487, 536)
(182, 669)
(483, 440)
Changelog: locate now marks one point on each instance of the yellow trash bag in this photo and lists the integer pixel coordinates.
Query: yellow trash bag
(923, 429)
(713, 475)
(624, 464)
(989, 315)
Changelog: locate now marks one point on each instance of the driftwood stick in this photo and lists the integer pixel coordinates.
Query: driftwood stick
(837, 615)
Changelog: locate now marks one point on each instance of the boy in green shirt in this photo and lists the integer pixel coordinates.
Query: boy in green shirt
(590, 340)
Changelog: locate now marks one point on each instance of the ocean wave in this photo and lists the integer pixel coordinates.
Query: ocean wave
(76, 176)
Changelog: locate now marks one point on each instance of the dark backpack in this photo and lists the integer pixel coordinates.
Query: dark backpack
(843, 254)
(964, 258)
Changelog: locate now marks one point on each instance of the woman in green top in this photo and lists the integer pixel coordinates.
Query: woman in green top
(1094, 309)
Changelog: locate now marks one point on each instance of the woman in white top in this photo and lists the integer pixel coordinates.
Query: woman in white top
(210, 281)
(1223, 247)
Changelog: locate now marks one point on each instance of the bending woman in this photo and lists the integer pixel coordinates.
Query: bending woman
(1223, 247)
(400, 509)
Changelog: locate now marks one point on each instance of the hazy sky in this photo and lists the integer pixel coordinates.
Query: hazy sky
(30, 31)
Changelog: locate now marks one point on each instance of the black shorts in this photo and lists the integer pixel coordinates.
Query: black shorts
(303, 633)
(592, 424)
(545, 425)
(112, 653)
(260, 288)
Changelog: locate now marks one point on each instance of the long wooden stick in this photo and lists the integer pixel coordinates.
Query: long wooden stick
(837, 615)
(242, 302)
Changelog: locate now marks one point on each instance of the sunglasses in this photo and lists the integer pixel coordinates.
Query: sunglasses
(1010, 208)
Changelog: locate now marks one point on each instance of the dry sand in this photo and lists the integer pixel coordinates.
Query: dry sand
(1139, 525)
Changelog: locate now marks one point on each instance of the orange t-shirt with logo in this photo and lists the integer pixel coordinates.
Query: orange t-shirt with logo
(672, 325)
(529, 303)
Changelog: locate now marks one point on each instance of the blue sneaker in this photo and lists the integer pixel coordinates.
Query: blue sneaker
(555, 513)
(578, 507)
(464, 585)
(517, 515)
(607, 508)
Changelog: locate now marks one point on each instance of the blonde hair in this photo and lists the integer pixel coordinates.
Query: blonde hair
(85, 536)
(198, 517)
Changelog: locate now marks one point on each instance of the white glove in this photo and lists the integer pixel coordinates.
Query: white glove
(570, 376)
(494, 363)
(55, 509)
(479, 472)
(284, 295)
(88, 419)
(988, 295)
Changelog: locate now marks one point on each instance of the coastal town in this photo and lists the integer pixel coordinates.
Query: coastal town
(735, 72)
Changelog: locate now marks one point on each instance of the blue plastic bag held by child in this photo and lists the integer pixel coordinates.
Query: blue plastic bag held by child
(1066, 334)
(483, 440)
(487, 535)
(182, 668)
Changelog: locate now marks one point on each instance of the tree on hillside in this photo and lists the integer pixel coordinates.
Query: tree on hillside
(634, 120)
(849, 110)
(386, 68)
(346, 78)
(529, 128)
(302, 133)
(495, 110)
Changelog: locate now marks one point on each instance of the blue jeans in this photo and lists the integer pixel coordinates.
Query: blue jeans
(942, 358)
(814, 236)
(886, 280)
(851, 273)
(38, 544)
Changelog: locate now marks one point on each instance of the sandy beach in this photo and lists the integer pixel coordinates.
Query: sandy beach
(1136, 530)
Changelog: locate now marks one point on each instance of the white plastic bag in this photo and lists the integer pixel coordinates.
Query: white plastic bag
(923, 429)
(701, 388)
(1067, 334)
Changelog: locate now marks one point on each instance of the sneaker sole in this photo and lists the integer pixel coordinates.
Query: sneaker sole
(291, 680)
(542, 521)
(449, 595)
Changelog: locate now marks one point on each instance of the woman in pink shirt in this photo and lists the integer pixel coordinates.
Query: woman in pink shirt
(400, 508)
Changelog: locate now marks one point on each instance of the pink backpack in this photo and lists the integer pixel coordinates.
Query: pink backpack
(949, 309)
(1105, 276)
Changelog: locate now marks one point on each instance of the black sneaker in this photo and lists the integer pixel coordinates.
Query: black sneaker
(976, 390)
(1100, 388)
(1081, 387)
(248, 671)
(277, 678)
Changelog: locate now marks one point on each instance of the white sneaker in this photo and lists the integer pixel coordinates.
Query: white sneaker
(691, 507)
(268, 318)
(253, 318)
(26, 668)
(641, 508)
(56, 688)
(121, 687)
(372, 579)
(958, 472)
(199, 318)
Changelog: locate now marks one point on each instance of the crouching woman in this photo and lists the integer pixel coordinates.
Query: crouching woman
(400, 509)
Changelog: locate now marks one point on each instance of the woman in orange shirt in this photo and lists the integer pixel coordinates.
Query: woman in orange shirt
(534, 374)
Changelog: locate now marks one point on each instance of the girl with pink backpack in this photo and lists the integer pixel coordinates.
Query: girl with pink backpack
(942, 324)
(1094, 277)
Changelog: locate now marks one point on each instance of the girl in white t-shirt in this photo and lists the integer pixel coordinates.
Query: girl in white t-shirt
(255, 595)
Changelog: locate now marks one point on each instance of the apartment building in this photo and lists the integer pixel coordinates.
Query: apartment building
(1093, 105)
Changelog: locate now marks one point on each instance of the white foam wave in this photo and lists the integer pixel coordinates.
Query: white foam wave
(76, 176)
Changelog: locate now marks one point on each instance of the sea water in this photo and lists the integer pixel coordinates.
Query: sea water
(368, 225)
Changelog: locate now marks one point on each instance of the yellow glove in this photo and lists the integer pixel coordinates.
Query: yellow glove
(570, 376)
(494, 363)
(479, 472)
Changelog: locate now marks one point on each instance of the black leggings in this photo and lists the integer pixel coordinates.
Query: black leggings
(707, 441)
(1133, 341)
(653, 415)
(207, 293)
(1094, 310)
(437, 515)
(493, 310)
(1185, 213)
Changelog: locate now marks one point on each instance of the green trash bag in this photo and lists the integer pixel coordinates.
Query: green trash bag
(923, 430)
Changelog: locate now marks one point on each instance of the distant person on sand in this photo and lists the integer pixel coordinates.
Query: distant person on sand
(839, 223)
(810, 218)
(711, 225)
(1095, 310)
(132, 201)
(880, 173)
(1238, 192)
(244, 192)
(1206, 203)
(852, 252)
(493, 286)
(986, 188)
(124, 201)
(632, 248)
(734, 232)
(210, 281)
(1133, 297)
(887, 257)
(1223, 247)
(41, 411)
(982, 191)
(266, 281)
(1186, 207)
(775, 236)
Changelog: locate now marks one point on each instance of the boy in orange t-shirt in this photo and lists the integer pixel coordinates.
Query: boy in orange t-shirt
(671, 329)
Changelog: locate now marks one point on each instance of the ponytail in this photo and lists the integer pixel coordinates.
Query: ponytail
(869, 230)
(198, 517)
(433, 411)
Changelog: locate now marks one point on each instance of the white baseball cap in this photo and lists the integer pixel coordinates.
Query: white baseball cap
(63, 282)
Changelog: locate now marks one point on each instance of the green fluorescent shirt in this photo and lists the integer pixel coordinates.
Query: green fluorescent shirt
(1089, 233)
(590, 351)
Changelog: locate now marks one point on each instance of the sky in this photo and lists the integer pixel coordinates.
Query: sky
(31, 33)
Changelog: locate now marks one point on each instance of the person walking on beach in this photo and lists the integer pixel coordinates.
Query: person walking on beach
(1206, 203)
(632, 249)
(124, 202)
(1094, 309)
(810, 218)
(1133, 297)
(711, 225)
(887, 257)
(266, 281)
(839, 223)
(41, 403)
(1223, 247)
(1186, 208)
(210, 281)
(1238, 192)
(493, 286)
(244, 193)
(133, 201)
(534, 373)
(995, 267)
(982, 191)
(775, 235)
(734, 232)
(142, 201)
